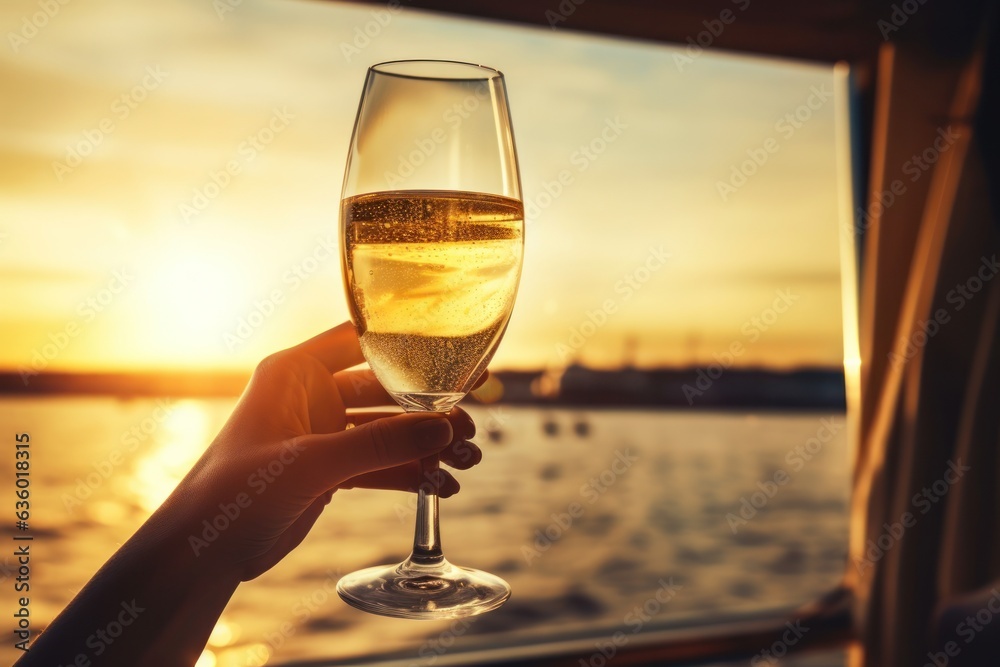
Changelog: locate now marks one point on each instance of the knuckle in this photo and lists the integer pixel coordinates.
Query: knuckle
(270, 364)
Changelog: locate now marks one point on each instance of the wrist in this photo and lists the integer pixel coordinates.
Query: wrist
(176, 540)
(190, 591)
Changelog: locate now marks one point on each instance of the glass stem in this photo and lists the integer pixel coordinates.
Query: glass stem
(427, 535)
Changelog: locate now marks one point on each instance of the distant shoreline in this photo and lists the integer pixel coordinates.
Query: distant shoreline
(803, 389)
(194, 384)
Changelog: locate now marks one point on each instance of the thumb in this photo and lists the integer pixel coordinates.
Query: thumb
(383, 443)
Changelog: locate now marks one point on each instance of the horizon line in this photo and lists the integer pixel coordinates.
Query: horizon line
(228, 383)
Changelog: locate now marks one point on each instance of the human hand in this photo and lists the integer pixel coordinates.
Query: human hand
(287, 447)
(249, 500)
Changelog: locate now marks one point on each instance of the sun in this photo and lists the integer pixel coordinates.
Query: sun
(192, 298)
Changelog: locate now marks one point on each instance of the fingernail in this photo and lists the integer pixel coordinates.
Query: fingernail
(432, 433)
(466, 427)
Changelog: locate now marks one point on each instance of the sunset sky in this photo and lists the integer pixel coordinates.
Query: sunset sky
(170, 180)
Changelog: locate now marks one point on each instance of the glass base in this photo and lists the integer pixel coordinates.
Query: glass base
(424, 402)
(424, 592)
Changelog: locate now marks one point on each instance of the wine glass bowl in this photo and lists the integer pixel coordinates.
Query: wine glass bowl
(432, 226)
(432, 277)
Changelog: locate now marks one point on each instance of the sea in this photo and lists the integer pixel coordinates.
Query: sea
(586, 513)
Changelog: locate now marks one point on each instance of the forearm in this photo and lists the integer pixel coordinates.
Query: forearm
(153, 603)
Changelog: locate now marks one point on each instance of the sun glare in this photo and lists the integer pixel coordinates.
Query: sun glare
(595, 206)
(224, 633)
(192, 295)
(156, 475)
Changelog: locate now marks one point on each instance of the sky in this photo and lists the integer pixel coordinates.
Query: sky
(170, 178)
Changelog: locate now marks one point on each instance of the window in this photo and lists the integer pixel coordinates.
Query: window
(664, 436)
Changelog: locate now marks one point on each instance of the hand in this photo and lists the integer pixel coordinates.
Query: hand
(249, 500)
(287, 447)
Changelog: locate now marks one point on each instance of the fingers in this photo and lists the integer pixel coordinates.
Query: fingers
(460, 420)
(376, 445)
(406, 478)
(383, 449)
(361, 389)
(460, 454)
(336, 348)
(359, 418)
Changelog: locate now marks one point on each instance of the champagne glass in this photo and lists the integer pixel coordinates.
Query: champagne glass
(433, 225)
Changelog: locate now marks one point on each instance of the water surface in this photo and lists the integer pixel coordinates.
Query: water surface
(588, 515)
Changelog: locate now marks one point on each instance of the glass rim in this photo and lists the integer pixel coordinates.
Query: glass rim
(487, 72)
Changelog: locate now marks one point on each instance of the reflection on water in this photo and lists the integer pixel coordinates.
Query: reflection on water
(663, 517)
(155, 474)
(250, 655)
(225, 648)
(224, 633)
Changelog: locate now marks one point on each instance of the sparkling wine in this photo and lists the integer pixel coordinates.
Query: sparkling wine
(431, 278)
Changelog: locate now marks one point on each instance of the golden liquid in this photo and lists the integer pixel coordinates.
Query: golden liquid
(431, 278)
